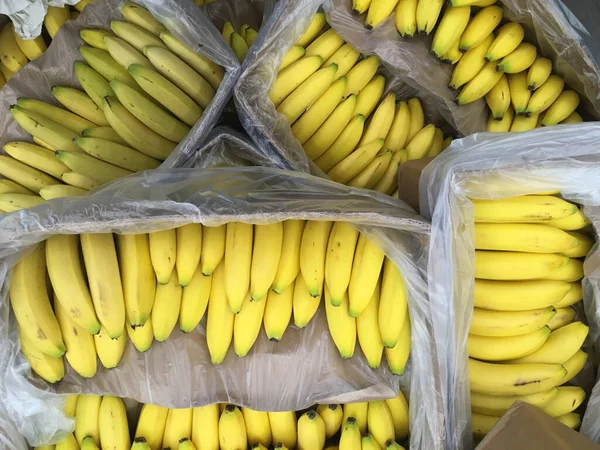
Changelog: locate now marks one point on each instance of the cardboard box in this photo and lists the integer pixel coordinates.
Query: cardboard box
(408, 181)
(525, 427)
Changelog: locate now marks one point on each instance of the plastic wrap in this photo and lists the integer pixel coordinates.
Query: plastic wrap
(55, 67)
(557, 31)
(251, 12)
(565, 157)
(303, 369)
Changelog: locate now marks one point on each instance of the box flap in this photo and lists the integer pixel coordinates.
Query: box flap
(409, 175)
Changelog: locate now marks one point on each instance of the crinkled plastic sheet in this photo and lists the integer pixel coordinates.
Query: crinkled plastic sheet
(239, 12)
(557, 31)
(565, 157)
(55, 67)
(303, 369)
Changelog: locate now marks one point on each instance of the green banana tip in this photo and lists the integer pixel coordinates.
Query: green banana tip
(350, 420)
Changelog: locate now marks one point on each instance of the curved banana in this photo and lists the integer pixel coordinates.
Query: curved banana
(332, 416)
(398, 407)
(135, 35)
(125, 54)
(55, 18)
(112, 423)
(389, 181)
(381, 122)
(428, 12)
(293, 76)
(421, 143)
(304, 305)
(516, 265)
(238, 263)
(380, 422)
(360, 75)
(338, 260)
(151, 425)
(533, 238)
(50, 369)
(370, 175)
(510, 323)
(283, 428)
(345, 143)
(545, 95)
(189, 246)
(94, 84)
(563, 107)
(481, 26)
(141, 336)
(345, 58)
(22, 174)
(94, 37)
(205, 427)
(289, 262)
(109, 350)
(574, 365)
(277, 315)
(36, 157)
(519, 92)
(350, 438)
(81, 104)
(11, 55)
(293, 55)
(342, 326)
(524, 209)
(519, 295)
(497, 405)
(140, 16)
(509, 37)
(163, 251)
(355, 162)
(70, 405)
(406, 17)
(358, 411)
(268, 241)
(585, 244)
(518, 60)
(369, 335)
(91, 167)
(397, 356)
(451, 27)
(105, 64)
(538, 73)
(86, 418)
(480, 85)
(232, 429)
(247, 324)
(80, 181)
(194, 301)
(257, 427)
(314, 28)
(368, 98)
(503, 348)
(398, 133)
(366, 268)
(31, 48)
(568, 400)
(470, 64)
(213, 248)
(313, 249)
(177, 427)
(499, 98)
(325, 45)
(417, 118)
(438, 144)
(379, 10)
(393, 305)
(116, 154)
(220, 318)
(165, 311)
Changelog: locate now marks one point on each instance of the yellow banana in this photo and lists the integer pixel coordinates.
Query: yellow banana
(516, 265)
(342, 326)
(103, 63)
(140, 16)
(91, 167)
(508, 39)
(368, 442)
(293, 76)
(524, 209)
(213, 248)
(480, 85)
(574, 117)
(470, 64)
(338, 260)
(117, 155)
(311, 431)
(568, 400)
(177, 427)
(397, 136)
(389, 181)
(502, 348)
(571, 222)
(232, 430)
(31, 48)
(524, 123)
(572, 420)
(10, 187)
(268, 240)
(421, 143)
(350, 438)
(314, 28)
(406, 17)
(163, 248)
(519, 92)
(332, 416)
(428, 12)
(545, 95)
(453, 55)
(367, 328)
(165, 311)
(366, 268)
(358, 411)
(380, 422)
(369, 96)
(563, 316)
(398, 407)
(397, 356)
(519, 295)
(205, 427)
(313, 249)
(584, 245)
(81, 104)
(534, 238)
(278, 312)
(194, 301)
(141, 336)
(481, 26)
(379, 125)
(379, 10)
(257, 427)
(55, 18)
(86, 418)
(293, 55)
(453, 24)
(11, 55)
(509, 323)
(227, 31)
(417, 118)
(124, 54)
(368, 177)
(22, 174)
(135, 35)
(501, 126)
(246, 325)
(94, 37)
(499, 98)
(355, 162)
(283, 428)
(360, 75)
(518, 60)
(106, 133)
(345, 58)
(109, 350)
(563, 107)
(220, 318)
(497, 405)
(138, 444)
(70, 405)
(250, 37)
(48, 368)
(538, 73)
(393, 304)
(574, 365)
(189, 245)
(80, 181)
(151, 425)
(572, 271)
(325, 45)
(482, 424)
(289, 262)
(112, 423)
(238, 263)
(15, 202)
(345, 143)
(304, 305)
(36, 157)
(94, 84)
(438, 144)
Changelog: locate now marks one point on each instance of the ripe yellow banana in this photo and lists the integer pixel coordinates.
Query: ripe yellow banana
(524, 209)
(369, 96)
(55, 18)
(438, 144)
(453, 55)
(293, 55)
(31, 305)
(421, 143)
(350, 438)
(289, 262)
(345, 58)
(91, 167)
(453, 24)
(332, 129)
(163, 248)
(572, 420)
(379, 125)
(257, 427)
(509, 323)
(389, 181)
(480, 85)
(574, 365)
(518, 60)
(481, 26)
(165, 311)
(81, 104)
(205, 427)
(94, 84)
(342, 326)
(338, 260)
(568, 400)
(519, 92)
(513, 379)
(213, 248)
(123, 53)
(345, 143)
(112, 423)
(516, 265)
(470, 64)
(359, 412)
(238, 263)
(11, 55)
(293, 76)
(380, 422)
(482, 424)
(538, 73)
(135, 35)
(347, 169)
(584, 245)
(379, 10)
(398, 407)
(87, 418)
(103, 63)
(499, 98)
(368, 442)
(278, 312)
(304, 305)
(325, 45)
(15, 202)
(268, 241)
(138, 444)
(367, 328)
(366, 268)
(177, 427)
(189, 246)
(428, 12)
(151, 425)
(393, 305)
(106, 133)
(497, 405)
(332, 416)
(311, 431)
(360, 75)
(563, 107)
(571, 222)
(94, 37)
(220, 318)
(417, 118)
(247, 324)
(70, 405)
(36, 157)
(167, 94)
(533, 238)
(501, 126)
(313, 249)
(194, 301)
(397, 356)
(406, 17)
(368, 177)
(563, 316)
(149, 113)
(509, 37)
(502, 348)
(232, 429)
(22, 174)
(142, 336)
(116, 155)
(283, 428)
(397, 136)
(572, 271)
(10, 187)
(48, 368)
(140, 16)
(31, 48)
(519, 295)
(545, 95)
(109, 350)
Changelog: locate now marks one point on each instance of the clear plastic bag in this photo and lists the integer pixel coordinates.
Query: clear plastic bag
(55, 68)
(564, 157)
(559, 34)
(251, 12)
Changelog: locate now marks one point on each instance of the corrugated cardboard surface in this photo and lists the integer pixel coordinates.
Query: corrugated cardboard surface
(408, 181)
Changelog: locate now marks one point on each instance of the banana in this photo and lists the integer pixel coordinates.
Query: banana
(516, 265)
(480, 27)
(31, 48)
(538, 73)
(574, 117)
(16, 202)
(453, 24)
(398, 133)
(177, 427)
(313, 250)
(513, 379)
(220, 318)
(11, 55)
(519, 295)
(417, 118)
(283, 428)
(393, 305)
(304, 305)
(134, 132)
(31, 305)
(10, 187)
(497, 405)
(141, 336)
(533, 238)
(438, 144)
(238, 263)
(94, 84)
(116, 154)
(392, 445)
(91, 167)
(314, 28)
(80, 181)
(343, 145)
(519, 92)
(470, 64)
(398, 407)
(332, 416)
(348, 168)
(36, 157)
(167, 94)
(311, 120)
(572, 420)
(568, 400)
(109, 350)
(257, 427)
(332, 129)
(545, 95)
(380, 422)
(81, 104)
(480, 85)
(369, 96)
(406, 17)
(358, 411)
(342, 326)
(165, 311)
(325, 45)
(112, 423)
(345, 58)
(125, 54)
(563, 107)
(499, 98)
(205, 427)
(574, 365)
(251, 35)
(572, 271)
(24, 175)
(70, 405)
(360, 6)
(453, 55)
(94, 37)
(227, 31)
(367, 328)
(506, 347)
(585, 244)
(293, 76)
(186, 444)
(50, 369)
(360, 75)
(482, 424)
(140, 16)
(367, 177)
(509, 37)
(87, 418)
(278, 312)
(421, 143)
(501, 126)
(389, 181)
(366, 268)
(246, 325)
(135, 35)
(89, 444)
(524, 209)
(106, 65)
(55, 18)
(571, 222)
(293, 55)
(68, 443)
(518, 60)
(338, 260)
(311, 431)
(189, 246)
(379, 125)
(232, 430)
(137, 274)
(194, 301)
(307, 93)
(268, 241)
(510, 323)
(38, 125)
(480, 3)
(397, 356)
(379, 10)
(163, 251)
(350, 438)
(210, 71)
(563, 316)
(427, 14)
(149, 113)
(289, 262)
(213, 248)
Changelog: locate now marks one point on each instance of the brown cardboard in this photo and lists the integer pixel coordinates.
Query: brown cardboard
(409, 175)
(525, 427)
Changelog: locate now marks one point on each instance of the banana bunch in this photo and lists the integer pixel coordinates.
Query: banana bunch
(242, 277)
(142, 92)
(239, 42)
(333, 100)
(524, 340)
